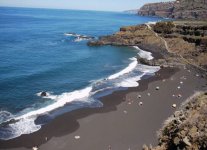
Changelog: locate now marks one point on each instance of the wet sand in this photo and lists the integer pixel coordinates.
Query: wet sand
(121, 123)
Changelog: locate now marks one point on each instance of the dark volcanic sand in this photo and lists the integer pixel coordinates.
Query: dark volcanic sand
(121, 122)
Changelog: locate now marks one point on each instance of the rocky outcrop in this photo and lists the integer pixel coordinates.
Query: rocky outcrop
(130, 36)
(162, 62)
(187, 128)
(43, 94)
(179, 9)
(185, 39)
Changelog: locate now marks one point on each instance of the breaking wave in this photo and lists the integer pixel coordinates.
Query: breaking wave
(79, 37)
(13, 126)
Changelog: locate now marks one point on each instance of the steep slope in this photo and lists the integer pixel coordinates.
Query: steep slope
(179, 9)
(163, 9)
(190, 9)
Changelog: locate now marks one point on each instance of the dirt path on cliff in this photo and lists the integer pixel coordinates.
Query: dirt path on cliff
(167, 48)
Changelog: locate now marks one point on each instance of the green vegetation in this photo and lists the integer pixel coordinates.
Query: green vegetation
(164, 27)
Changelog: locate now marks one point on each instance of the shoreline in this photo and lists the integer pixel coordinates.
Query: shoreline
(101, 99)
(132, 117)
(74, 115)
(68, 123)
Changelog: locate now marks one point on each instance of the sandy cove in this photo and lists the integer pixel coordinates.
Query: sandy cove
(121, 124)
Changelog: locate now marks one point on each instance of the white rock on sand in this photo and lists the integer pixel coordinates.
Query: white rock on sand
(35, 148)
(77, 137)
(129, 103)
(140, 103)
(174, 105)
(179, 95)
(157, 88)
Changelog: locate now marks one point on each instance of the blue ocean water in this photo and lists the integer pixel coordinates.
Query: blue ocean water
(46, 50)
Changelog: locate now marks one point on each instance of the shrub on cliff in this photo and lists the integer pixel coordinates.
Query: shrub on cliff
(164, 27)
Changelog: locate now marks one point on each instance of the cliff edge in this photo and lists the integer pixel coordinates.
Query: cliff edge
(179, 9)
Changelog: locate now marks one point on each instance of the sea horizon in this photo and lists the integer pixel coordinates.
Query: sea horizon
(93, 10)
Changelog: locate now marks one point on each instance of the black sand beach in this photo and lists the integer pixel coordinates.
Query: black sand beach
(122, 123)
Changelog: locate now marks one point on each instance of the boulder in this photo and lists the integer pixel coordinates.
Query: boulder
(43, 94)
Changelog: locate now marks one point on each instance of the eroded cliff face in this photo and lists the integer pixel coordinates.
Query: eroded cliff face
(190, 9)
(163, 9)
(179, 9)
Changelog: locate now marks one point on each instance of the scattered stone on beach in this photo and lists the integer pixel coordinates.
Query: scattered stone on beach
(140, 103)
(178, 87)
(129, 103)
(139, 96)
(179, 95)
(174, 105)
(173, 95)
(181, 82)
(157, 88)
(163, 80)
(46, 138)
(187, 128)
(171, 79)
(77, 137)
(189, 71)
(125, 111)
(35, 148)
(148, 94)
(43, 94)
(197, 75)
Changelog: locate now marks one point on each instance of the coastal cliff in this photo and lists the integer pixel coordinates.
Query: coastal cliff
(163, 9)
(186, 40)
(179, 9)
(181, 43)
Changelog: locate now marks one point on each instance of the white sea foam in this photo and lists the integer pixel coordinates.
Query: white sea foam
(132, 81)
(125, 78)
(22, 126)
(128, 69)
(148, 69)
(60, 101)
(72, 34)
(129, 83)
(78, 37)
(25, 123)
(144, 54)
(5, 115)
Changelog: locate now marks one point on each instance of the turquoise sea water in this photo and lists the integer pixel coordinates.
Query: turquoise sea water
(46, 50)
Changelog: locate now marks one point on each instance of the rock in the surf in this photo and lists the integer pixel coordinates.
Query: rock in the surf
(43, 94)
